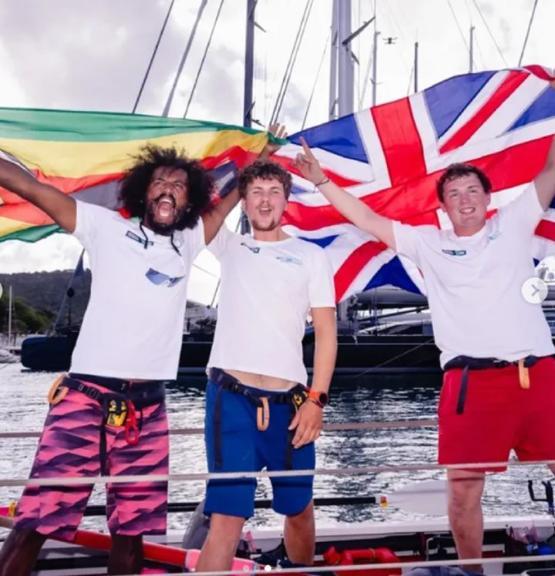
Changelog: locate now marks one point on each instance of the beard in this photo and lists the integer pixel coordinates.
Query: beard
(167, 227)
(268, 227)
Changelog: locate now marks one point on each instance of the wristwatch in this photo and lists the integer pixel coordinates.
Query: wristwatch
(318, 398)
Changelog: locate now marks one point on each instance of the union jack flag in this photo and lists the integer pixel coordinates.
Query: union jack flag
(391, 155)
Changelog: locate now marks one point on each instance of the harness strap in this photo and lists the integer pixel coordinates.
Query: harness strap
(294, 398)
(462, 391)
(218, 457)
(523, 375)
(263, 414)
(118, 408)
(469, 363)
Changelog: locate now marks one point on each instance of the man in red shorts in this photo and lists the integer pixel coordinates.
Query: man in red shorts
(496, 348)
(108, 416)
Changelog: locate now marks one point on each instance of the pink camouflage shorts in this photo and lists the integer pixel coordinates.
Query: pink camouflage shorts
(70, 446)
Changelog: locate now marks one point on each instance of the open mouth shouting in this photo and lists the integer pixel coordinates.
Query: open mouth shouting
(165, 208)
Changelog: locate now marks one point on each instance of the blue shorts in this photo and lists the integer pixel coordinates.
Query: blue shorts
(246, 449)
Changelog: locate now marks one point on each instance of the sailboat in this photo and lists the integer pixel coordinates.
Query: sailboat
(6, 356)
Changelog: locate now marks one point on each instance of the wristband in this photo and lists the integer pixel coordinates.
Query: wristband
(318, 398)
(324, 181)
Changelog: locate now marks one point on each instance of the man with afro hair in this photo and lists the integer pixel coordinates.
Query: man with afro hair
(108, 415)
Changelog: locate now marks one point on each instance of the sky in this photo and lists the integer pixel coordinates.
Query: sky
(82, 55)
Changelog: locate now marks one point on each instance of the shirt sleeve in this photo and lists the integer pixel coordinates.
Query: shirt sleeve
(194, 240)
(407, 241)
(321, 288)
(525, 212)
(88, 222)
(220, 241)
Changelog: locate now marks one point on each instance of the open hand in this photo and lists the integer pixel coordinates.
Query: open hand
(279, 131)
(307, 424)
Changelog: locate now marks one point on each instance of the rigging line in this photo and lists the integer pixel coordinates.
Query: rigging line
(205, 271)
(203, 58)
(390, 360)
(203, 476)
(200, 10)
(458, 26)
(291, 63)
(309, 103)
(331, 427)
(475, 2)
(527, 33)
(152, 57)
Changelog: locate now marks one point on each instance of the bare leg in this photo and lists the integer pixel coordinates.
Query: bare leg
(465, 490)
(221, 543)
(299, 534)
(126, 555)
(20, 552)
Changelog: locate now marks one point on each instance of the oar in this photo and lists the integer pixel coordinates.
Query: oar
(160, 553)
(425, 497)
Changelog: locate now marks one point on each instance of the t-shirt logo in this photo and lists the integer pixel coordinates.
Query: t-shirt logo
(161, 279)
(290, 260)
(139, 239)
(454, 252)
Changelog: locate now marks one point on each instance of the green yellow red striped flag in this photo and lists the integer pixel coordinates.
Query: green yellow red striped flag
(85, 153)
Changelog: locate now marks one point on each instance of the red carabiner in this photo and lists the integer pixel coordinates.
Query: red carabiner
(131, 428)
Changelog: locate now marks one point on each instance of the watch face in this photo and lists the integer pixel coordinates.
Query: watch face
(319, 397)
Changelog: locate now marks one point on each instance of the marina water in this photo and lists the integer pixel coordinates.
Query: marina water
(23, 407)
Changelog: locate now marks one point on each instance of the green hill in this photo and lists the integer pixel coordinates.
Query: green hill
(38, 297)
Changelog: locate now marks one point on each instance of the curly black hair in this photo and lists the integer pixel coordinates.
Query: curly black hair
(456, 171)
(266, 170)
(135, 183)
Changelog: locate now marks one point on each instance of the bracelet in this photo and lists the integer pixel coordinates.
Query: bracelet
(324, 181)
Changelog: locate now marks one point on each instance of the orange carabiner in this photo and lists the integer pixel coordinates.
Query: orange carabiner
(57, 392)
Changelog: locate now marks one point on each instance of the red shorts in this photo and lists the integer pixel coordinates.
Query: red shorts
(499, 415)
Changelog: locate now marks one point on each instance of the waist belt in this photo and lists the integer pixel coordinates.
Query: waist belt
(469, 363)
(119, 405)
(294, 398)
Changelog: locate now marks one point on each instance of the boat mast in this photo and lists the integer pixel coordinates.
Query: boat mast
(248, 102)
(341, 64)
(249, 65)
(10, 308)
(471, 51)
(416, 67)
(341, 78)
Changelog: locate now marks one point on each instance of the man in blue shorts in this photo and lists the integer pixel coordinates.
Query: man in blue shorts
(259, 412)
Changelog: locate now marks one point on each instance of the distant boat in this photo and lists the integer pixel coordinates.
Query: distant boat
(6, 357)
(397, 341)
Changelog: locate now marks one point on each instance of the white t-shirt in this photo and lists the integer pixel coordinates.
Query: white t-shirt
(133, 324)
(474, 284)
(267, 291)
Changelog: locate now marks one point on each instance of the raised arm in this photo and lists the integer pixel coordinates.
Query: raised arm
(56, 204)
(213, 219)
(545, 180)
(352, 208)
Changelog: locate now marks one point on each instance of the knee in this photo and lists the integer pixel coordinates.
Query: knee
(465, 495)
(225, 528)
(306, 515)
